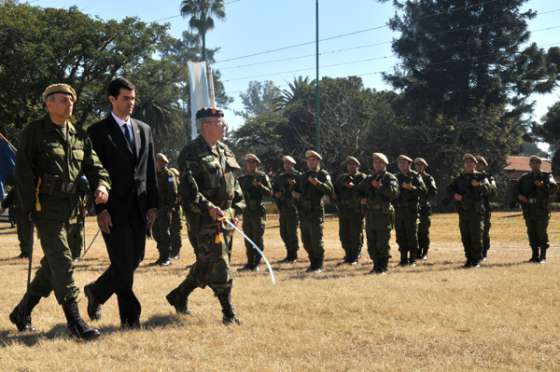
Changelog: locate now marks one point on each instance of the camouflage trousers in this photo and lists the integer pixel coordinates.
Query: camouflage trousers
(162, 234)
(211, 267)
(76, 238)
(487, 224)
(56, 270)
(424, 223)
(471, 227)
(175, 231)
(288, 232)
(253, 227)
(537, 230)
(24, 231)
(351, 234)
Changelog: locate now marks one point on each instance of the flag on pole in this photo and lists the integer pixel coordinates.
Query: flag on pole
(201, 84)
(7, 163)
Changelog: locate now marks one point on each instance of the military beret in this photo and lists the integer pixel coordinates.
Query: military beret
(480, 159)
(175, 171)
(421, 161)
(289, 159)
(404, 157)
(252, 157)
(380, 156)
(59, 88)
(352, 158)
(162, 157)
(209, 112)
(535, 158)
(470, 157)
(312, 154)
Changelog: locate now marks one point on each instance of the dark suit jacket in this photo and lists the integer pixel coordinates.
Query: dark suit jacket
(132, 171)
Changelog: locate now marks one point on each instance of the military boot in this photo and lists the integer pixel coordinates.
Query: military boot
(404, 259)
(21, 315)
(534, 255)
(227, 308)
(542, 258)
(77, 327)
(178, 298)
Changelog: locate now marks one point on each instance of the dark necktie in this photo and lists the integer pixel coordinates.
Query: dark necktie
(128, 136)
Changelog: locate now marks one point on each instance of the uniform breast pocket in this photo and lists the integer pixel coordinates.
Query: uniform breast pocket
(54, 151)
(78, 154)
(212, 174)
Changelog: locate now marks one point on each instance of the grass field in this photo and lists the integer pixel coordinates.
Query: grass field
(437, 316)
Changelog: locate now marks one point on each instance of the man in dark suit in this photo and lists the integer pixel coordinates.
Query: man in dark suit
(125, 147)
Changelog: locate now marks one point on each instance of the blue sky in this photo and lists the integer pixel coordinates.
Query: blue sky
(259, 25)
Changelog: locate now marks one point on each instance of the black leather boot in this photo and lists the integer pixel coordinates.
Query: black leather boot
(93, 307)
(77, 327)
(542, 258)
(534, 255)
(178, 298)
(227, 308)
(21, 315)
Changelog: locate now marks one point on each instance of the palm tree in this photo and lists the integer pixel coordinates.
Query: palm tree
(202, 14)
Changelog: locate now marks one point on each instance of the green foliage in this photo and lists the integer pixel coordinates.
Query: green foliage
(202, 14)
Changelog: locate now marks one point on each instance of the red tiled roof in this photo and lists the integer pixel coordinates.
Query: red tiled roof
(521, 164)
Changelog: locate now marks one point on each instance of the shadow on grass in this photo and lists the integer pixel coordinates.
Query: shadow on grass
(10, 337)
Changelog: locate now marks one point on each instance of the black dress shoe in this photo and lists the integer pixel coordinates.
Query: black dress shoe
(93, 307)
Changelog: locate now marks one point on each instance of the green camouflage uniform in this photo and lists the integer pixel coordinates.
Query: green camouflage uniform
(380, 216)
(487, 223)
(406, 215)
(471, 212)
(56, 157)
(351, 218)
(208, 180)
(287, 209)
(536, 211)
(168, 191)
(425, 214)
(175, 230)
(312, 213)
(254, 215)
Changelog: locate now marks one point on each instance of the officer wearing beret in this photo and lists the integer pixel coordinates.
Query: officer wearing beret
(377, 191)
(210, 193)
(283, 186)
(533, 191)
(310, 189)
(255, 186)
(168, 201)
(351, 218)
(412, 188)
(52, 156)
(482, 166)
(425, 211)
(469, 190)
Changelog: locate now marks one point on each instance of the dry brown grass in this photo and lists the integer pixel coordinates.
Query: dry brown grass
(434, 317)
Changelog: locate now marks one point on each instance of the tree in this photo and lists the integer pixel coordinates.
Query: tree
(202, 14)
(259, 98)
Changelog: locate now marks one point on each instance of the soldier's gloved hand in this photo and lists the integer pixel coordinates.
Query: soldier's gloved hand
(457, 197)
(216, 213)
(104, 222)
(101, 195)
(522, 198)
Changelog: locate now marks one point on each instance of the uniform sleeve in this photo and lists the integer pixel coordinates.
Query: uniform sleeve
(93, 169)
(431, 187)
(25, 173)
(364, 186)
(389, 188)
(421, 188)
(238, 202)
(326, 187)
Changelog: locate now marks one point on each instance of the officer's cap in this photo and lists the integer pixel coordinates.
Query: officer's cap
(421, 161)
(404, 157)
(535, 158)
(480, 159)
(59, 88)
(162, 157)
(470, 157)
(312, 154)
(352, 158)
(289, 159)
(209, 112)
(252, 157)
(380, 156)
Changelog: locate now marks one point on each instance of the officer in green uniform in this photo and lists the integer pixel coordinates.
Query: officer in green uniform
(255, 186)
(176, 227)
(533, 191)
(210, 193)
(351, 218)
(377, 191)
(310, 189)
(76, 230)
(469, 190)
(24, 225)
(425, 211)
(412, 188)
(482, 166)
(168, 191)
(283, 186)
(52, 156)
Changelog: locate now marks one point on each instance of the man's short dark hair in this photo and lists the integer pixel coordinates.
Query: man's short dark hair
(117, 84)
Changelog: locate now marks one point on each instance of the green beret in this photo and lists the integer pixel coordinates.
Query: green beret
(312, 154)
(59, 88)
(421, 161)
(353, 159)
(289, 159)
(380, 156)
(209, 112)
(480, 159)
(404, 157)
(470, 157)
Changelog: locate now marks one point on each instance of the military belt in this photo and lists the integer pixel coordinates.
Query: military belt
(52, 183)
